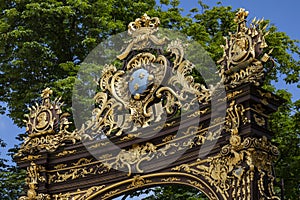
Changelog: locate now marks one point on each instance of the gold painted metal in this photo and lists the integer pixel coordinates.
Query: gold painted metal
(76, 170)
(233, 94)
(165, 125)
(65, 152)
(31, 157)
(130, 136)
(99, 144)
(267, 95)
(234, 167)
(111, 193)
(78, 195)
(142, 31)
(228, 173)
(133, 157)
(172, 176)
(243, 61)
(47, 127)
(33, 177)
(199, 113)
(259, 120)
(138, 181)
(235, 117)
(170, 179)
(156, 101)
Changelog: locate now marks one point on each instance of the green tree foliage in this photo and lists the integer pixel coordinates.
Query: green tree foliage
(12, 179)
(285, 123)
(176, 192)
(170, 192)
(12, 182)
(42, 43)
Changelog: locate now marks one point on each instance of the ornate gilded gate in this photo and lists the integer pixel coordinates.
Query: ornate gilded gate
(226, 157)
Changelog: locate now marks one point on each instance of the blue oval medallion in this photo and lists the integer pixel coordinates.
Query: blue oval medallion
(138, 81)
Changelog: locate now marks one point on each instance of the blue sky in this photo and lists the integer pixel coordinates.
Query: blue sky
(284, 14)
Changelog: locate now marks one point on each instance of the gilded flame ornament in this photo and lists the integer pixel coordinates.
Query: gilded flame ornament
(243, 60)
(47, 126)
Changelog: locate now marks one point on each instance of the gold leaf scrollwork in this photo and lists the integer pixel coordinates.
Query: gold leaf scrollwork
(130, 136)
(31, 157)
(111, 193)
(146, 87)
(258, 108)
(165, 125)
(32, 180)
(235, 117)
(259, 120)
(131, 158)
(170, 179)
(138, 181)
(267, 95)
(82, 161)
(60, 166)
(78, 169)
(134, 156)
(235, 165)
(78, 195)
(75, 172)
(47, 127)
(233, 94)
(199, 113)
(142, 31)
(196, 184)
(65, 152)
(99, 144)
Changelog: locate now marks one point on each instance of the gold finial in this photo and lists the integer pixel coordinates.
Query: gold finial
(145, 22)
(242, 59)
(46, 93)
(241, 15)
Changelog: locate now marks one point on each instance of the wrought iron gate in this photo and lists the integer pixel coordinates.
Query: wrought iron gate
(227, 157)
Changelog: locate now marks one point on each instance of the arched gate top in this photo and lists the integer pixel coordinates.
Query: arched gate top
(235, 159)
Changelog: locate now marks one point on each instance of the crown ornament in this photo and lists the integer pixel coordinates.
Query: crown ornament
(142, 32)
(143, 25)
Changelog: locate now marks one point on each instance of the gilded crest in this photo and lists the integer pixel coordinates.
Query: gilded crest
(46, 126)
(154, 83)
(244, 55)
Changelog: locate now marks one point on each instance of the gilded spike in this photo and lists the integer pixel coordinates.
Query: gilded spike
(241, 61)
